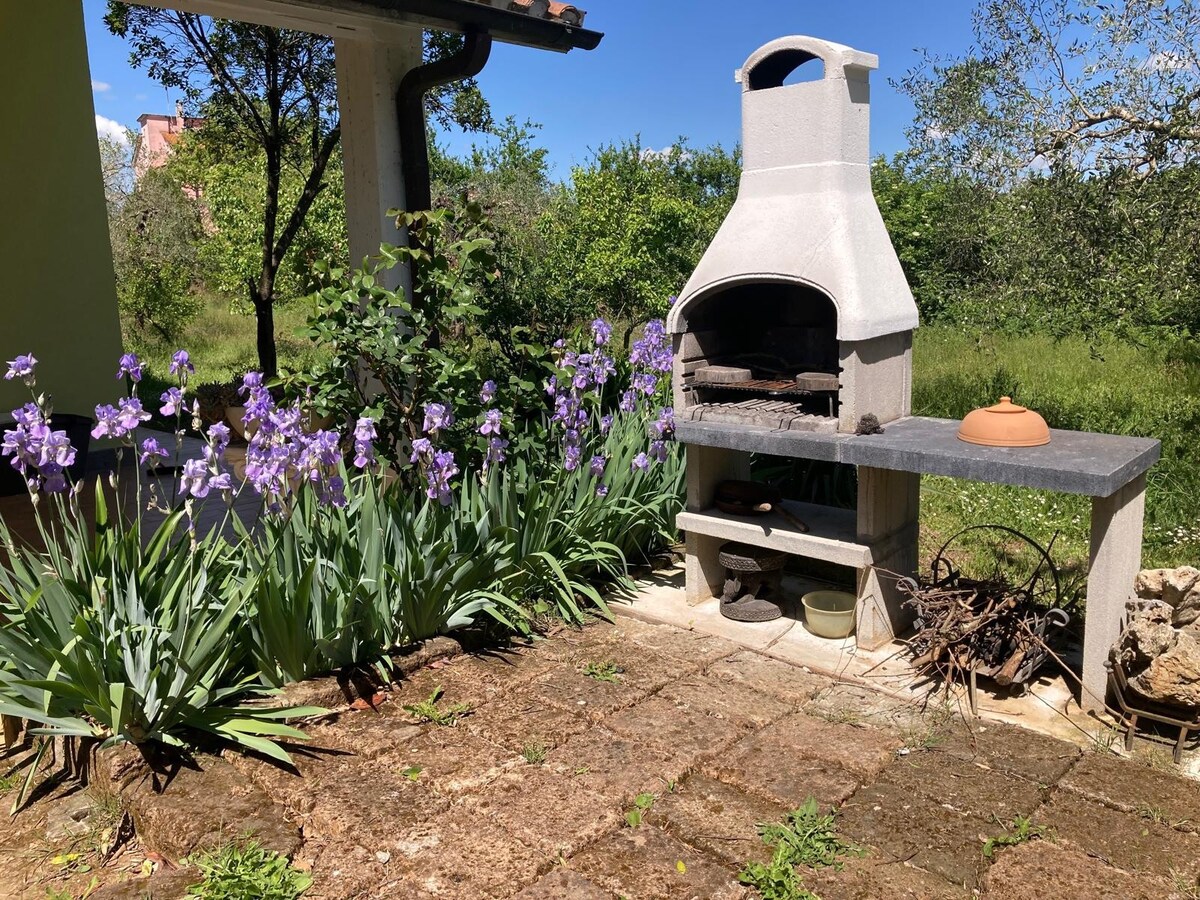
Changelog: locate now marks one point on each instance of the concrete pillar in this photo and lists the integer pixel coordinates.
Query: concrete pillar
(888, 511)
(706, 468)
(60, 299)
(368, 75)
(1116, 556)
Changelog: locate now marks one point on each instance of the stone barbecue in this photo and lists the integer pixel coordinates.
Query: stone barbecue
(798, 315)
(797, 324)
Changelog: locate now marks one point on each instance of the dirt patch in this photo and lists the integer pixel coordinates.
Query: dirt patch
(615, 767)
(563, 883)
(722, 699)
(1015, 751)
(869, 877)
(963, 786)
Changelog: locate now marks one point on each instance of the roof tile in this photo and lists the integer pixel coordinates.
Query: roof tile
(565, 13)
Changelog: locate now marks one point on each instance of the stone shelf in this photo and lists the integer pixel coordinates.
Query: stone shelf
(831, 536)
(1096, 465)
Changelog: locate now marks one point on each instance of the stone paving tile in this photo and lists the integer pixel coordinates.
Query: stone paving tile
(458, 680)
(1124, 840)
(526, 720)
(460, 854)
(964, 786)
(723, 699)
(646, 863)
(858, 705)
(550, 812)
(567, 644)
(1042, 869)
(905, 828)
(561, 884)
(367, 733)
(637, 677)
(717, 818)
(685, 646)
(616, 767)
(776, 679)
(1009, 749)
(1139, 789)
(762, 765)
(451, 760)
(676, 727)
(862, 751)
(869, 878)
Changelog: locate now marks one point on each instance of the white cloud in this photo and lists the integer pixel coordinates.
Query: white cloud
(100, 86)
(111, 130)
(666, 153)
(1167, 62)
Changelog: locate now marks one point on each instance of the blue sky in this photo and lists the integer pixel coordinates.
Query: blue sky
(664, 69)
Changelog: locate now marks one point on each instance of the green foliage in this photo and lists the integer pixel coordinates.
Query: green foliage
(429, 711)
(399, 339)
(1018, 831)
(240, 871)
(534, 753)
(154, 231)
(633, 225)
(124, 637)
(804, 838)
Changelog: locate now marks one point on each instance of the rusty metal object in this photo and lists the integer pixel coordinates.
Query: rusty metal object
(752, 498)
(1134, 708)
(998, 624)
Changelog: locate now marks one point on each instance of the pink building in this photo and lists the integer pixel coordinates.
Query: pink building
(158, 136)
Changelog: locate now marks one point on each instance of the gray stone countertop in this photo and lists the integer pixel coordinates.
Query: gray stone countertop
(1075, 462)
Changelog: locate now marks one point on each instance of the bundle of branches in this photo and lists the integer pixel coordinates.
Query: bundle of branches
(989, 625)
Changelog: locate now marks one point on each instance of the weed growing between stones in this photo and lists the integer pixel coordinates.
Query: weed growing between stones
(534, 753)
(427, 710)
(804, 838)
(1018, 831)
(641, 806)
(605, 671)
(237, 871)
(1187, 887)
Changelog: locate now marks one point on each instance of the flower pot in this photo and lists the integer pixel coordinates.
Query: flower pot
(829, 614)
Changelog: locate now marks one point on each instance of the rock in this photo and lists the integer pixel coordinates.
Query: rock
(1149, 583)
(1142, 641)
(1173, 677)
(1150, 610)
(1178, 582)
(1188, 610)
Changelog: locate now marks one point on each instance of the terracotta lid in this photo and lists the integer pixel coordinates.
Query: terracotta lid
(1004, 425)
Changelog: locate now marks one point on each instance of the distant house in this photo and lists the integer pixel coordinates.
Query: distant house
(158, 136)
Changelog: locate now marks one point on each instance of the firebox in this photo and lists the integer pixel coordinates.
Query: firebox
(798, 316)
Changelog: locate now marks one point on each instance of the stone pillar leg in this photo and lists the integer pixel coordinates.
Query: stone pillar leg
(1116, 556)
(706, 468)
(888, 510)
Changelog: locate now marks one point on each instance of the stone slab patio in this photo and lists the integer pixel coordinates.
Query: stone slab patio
(527, 796)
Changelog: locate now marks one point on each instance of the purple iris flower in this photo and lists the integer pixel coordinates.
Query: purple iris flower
(364, 446)
(665, 424)
(130, 365)
(491, 423)
(641, 461)
(437, 417)
(438, 474)
(181, 364)
(627, 404)
(574, 454)
(601, 332)
(131, 415)
(152, 450)
(495, 452)
(421, 447)
(172, 400)
(108, 422)
(21, 367)
(251, 382)
(606, 423)
(602, 490)
(488, 394)
(658, 451)
(597, 466)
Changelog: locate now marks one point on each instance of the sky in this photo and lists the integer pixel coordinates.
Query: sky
(663, 71)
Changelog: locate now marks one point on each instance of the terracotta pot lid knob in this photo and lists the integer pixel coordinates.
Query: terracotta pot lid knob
(1004, 425)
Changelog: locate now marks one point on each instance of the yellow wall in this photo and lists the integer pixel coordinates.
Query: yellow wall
(57, 295)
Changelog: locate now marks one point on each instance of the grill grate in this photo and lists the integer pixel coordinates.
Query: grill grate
(773, 388)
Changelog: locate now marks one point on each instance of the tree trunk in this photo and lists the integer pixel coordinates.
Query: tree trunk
(264, 317)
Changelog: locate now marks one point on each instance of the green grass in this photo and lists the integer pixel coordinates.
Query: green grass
(222, 344)
(1151, 391)
(429, 711)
